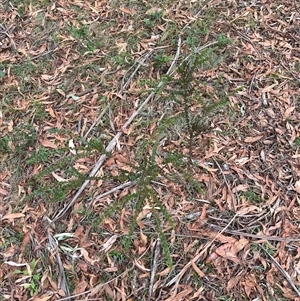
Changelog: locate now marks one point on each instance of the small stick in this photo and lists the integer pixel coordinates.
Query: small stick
(96, 122)
(154, 267)
(226, 182)
(140, 63)
(63, 281)
(122, 186)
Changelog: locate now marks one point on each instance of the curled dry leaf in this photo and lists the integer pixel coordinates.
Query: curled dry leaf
(246, 210)
(141, 266)
(108, 244)
(85, 254)
(146, 210)
(143, 239)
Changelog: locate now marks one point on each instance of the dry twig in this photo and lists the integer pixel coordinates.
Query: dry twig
(54, 248)
(154, 267)
(102, 195)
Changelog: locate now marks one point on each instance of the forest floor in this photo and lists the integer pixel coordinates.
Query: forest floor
(149, 150)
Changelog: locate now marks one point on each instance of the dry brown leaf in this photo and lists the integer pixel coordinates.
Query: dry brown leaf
(109, 291)
(41, 50)
(47, 77)
(153, 10)
(108, 244)
(199, 292)
(241, 187)
(212, 257)
(186, 290)
(51, 112)
(9, 252)
(146, 210)
(111, 269)
(297, 186)
(44, 297)
(111, 223)
(10, 126)
(85, 254)
(141, 266)
(233, 281)
(143, 238)
(3, 192)
(238, 246)
(47, 143)
(80, 287)
(164, 272)
(13, 216)
(268, 89)
(25, 242)
(59, 178)
(249, 284)
(252, 139)
(127, 11)
(247, 209)
(287, 113)
(122, 46)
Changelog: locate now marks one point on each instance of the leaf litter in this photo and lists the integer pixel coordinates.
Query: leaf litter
(65, 64)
